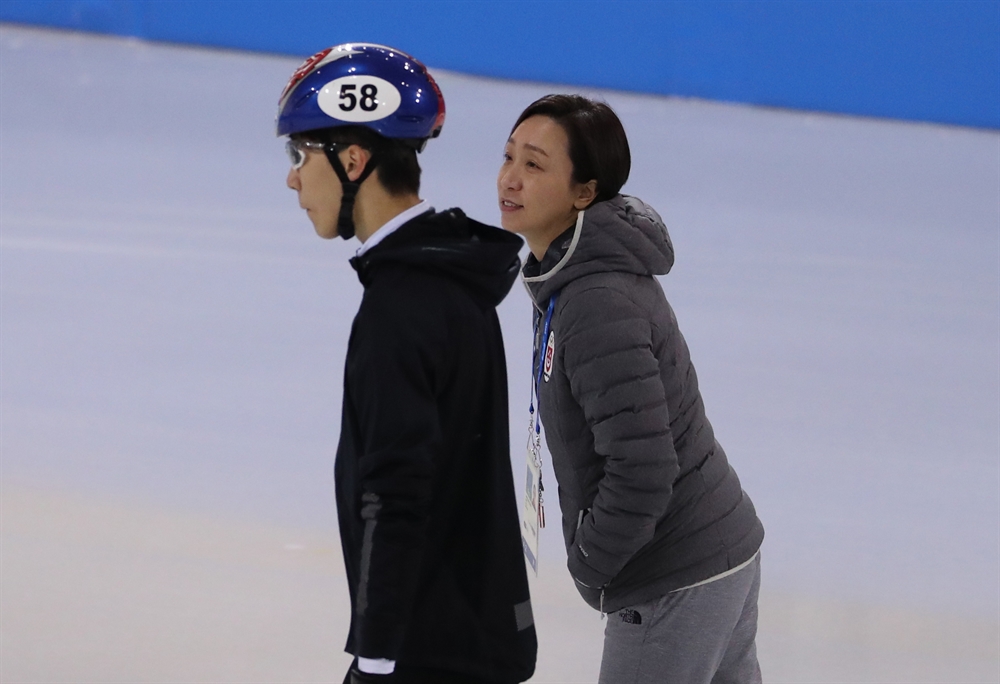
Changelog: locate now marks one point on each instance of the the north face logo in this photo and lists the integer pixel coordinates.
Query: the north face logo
(631, 617)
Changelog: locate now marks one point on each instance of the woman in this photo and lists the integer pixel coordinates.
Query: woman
(659, 533)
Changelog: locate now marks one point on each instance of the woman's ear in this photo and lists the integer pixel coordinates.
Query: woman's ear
(587, 194)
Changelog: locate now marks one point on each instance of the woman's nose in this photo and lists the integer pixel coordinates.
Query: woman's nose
(293, 179)
(509, 178)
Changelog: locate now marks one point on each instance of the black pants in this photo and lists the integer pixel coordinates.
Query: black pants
(425, 675)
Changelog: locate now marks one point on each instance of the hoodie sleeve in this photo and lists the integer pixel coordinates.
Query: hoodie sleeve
(615, 378)
(400, 344)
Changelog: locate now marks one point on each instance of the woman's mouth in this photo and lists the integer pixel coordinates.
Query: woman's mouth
(507, 205)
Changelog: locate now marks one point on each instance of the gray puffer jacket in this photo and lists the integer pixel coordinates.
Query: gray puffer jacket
(649, 502)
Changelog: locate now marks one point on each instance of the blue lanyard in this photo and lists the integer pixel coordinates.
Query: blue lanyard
(538, 355)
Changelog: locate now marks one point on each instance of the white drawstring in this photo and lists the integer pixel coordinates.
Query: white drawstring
(562, 262)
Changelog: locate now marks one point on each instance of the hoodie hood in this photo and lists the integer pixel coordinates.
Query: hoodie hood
(483, 258)
(622, 234)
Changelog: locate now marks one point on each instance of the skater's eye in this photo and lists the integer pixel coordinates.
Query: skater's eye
(296, 151)
(295, 155)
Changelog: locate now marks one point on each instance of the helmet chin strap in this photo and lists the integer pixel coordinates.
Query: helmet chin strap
(345, 221)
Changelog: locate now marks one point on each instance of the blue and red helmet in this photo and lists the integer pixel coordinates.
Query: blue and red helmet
(361, 84)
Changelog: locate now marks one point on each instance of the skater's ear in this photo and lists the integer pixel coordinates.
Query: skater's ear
(355, 159)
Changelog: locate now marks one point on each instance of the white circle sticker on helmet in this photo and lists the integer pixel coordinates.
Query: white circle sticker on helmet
(359, 98)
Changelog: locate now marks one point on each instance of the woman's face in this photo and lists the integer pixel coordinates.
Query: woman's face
(538, 197)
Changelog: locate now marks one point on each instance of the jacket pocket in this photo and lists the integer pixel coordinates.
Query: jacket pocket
(592, 592)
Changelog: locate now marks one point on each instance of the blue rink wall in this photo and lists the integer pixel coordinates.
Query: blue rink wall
(921, 60)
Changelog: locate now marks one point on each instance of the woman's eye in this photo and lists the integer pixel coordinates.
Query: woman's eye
(533, 165)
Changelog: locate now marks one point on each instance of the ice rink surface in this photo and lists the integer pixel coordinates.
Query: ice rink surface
(172, 334)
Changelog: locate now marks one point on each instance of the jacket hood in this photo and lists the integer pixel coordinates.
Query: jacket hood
(483, 258)
(622, 234)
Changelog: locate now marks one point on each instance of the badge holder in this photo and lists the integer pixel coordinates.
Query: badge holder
(534, 511)
(533, 519)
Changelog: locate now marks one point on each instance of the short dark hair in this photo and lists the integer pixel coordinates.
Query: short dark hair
(398, 169)
(598, 146)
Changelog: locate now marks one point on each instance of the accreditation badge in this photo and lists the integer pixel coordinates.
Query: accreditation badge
(533, 518)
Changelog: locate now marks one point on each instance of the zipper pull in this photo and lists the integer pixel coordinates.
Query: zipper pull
(603, 614)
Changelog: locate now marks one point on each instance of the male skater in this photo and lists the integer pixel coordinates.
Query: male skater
(425, 497)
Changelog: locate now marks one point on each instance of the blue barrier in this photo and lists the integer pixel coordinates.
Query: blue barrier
(930, 60)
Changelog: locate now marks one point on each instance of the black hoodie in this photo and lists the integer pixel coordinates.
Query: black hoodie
(425, 496)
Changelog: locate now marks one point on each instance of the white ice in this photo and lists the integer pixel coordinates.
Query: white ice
(173, 333)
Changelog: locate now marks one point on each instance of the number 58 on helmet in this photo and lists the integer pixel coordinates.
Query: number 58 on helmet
(361, 84)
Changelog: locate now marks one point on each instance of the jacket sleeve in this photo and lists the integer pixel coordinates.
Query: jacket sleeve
(615, 378)
(399, 349)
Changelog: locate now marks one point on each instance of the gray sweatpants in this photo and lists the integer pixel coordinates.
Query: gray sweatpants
(701, 635)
